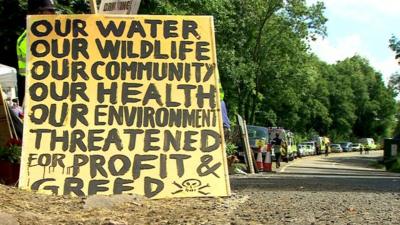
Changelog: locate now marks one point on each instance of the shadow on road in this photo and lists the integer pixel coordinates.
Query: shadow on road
(357, 161)
(318, 183)
(342, 171)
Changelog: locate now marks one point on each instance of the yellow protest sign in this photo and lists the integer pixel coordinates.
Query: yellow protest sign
(123, 104)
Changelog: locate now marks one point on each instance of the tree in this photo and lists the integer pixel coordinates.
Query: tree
(394, 44)
(373, 103)
(268, 74)
(13, 22)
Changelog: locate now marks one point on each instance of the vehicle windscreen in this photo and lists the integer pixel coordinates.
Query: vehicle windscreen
(257, 132)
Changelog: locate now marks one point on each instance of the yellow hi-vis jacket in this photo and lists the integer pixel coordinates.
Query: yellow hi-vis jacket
(21, 53)
(221, 90)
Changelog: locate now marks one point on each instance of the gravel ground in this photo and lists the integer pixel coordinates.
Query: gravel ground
(310, 193)
(303, 207)
(246, 206)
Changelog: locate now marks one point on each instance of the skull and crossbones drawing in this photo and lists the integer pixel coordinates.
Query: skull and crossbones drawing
(191, 185)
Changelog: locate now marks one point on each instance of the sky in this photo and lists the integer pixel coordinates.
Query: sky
(360, 27)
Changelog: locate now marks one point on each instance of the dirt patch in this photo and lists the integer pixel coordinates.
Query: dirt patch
(34, 208)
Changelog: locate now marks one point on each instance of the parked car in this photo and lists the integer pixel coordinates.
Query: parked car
(356, 146)
(302, 150)
(346, 146)
(336, 148)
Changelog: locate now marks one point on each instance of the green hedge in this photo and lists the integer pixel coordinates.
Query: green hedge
(393, 165)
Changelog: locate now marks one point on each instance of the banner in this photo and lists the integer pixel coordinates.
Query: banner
(123, 104)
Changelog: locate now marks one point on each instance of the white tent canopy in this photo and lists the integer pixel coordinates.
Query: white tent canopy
(8, 76)
(8, 80)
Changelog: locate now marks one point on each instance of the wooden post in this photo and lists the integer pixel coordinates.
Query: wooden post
(5, 132)
(250, 151)
(249, 156)
(93, 6)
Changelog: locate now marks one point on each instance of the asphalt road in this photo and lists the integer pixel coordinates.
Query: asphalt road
(339, 189)
(337, 172)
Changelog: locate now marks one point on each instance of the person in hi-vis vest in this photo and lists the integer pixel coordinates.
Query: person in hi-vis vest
(34, 7)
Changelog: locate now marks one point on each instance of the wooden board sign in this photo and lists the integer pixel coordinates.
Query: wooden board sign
(119, 6)
(123, 104)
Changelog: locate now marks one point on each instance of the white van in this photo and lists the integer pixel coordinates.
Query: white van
(309, 148)
(368, 143)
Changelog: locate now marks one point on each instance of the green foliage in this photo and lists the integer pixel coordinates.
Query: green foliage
(231, 149)
(369, 106)
(13, 23)
(394, 44)
(394, 82)
(239, 166)
(266, 69)
(11, 154)
(395, 166)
